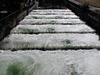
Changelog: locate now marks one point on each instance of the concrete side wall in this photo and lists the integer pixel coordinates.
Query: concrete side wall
(95, 3)
(9, 20)
(90, 17)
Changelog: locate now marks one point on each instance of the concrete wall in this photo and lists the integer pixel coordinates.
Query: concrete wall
(95, 3)
(15, 13)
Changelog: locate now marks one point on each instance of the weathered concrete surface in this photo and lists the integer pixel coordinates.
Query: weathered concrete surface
(32, 29)
(51, 13)
(51, 17)
(50, 41)
(65, 39)
(46, 32)
(52, 10)
(51, 21)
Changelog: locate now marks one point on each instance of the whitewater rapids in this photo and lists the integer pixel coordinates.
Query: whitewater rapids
(50, 62)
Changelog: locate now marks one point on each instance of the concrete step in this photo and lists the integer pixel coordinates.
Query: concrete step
(51, 32)
(51, 21)
(51, 13)
(50, 41)
(61, 33)
(51, 10)
(32, 29)
(51, 17)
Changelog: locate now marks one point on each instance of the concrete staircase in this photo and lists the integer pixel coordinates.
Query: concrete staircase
(71, 46)
(47, 29)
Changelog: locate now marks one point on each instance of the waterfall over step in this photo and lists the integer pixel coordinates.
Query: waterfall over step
(50, 42)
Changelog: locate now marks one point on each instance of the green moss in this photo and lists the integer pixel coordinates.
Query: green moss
(58, 17)
(53, 22)
(15, 69)
(50, 30)
(29, 31)
(66, 43)
(35, 17)
(73, 69)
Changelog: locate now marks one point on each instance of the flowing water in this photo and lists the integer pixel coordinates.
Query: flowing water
(59, 33)
(50, 62)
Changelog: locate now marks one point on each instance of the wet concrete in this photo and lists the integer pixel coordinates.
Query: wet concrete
(51, 30)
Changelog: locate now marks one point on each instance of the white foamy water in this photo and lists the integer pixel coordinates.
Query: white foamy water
(60, 62)
(50, 62)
